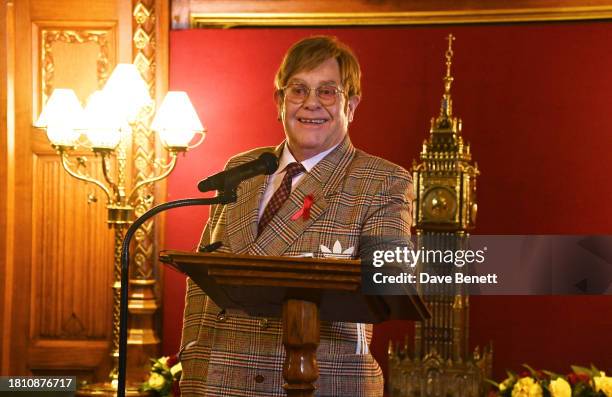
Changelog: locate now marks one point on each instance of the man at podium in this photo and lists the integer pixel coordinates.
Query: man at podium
(324, 198)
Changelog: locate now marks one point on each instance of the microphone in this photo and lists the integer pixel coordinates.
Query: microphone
(227, 180)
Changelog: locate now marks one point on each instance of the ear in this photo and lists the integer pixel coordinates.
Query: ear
(351, 105)
(278, 99)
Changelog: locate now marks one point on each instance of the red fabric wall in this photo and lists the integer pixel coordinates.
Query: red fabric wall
(534, 99)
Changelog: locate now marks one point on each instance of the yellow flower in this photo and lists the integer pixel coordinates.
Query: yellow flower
(560, 388)
(603, 383)
(156, 381)
(527, 387)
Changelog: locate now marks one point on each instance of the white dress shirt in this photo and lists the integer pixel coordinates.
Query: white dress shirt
(285, 159)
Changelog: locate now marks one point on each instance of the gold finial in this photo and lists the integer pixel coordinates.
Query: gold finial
(445, 119)
(449, 57)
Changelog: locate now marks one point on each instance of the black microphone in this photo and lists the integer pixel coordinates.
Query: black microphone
(228, 180)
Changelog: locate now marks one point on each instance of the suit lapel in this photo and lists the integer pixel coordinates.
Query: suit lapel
(321, 182)
(241, 225)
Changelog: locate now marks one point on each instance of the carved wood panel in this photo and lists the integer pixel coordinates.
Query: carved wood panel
(72, 266)
(72, 255)
(74, 57)
(72, 249)
(56, 307)
(56, 259)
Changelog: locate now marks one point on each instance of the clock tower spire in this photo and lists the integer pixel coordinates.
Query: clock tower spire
(444, 213)
(446, 177)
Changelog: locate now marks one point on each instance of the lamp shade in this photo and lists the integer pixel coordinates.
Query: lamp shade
(127, 91)
(176, 120)
(102, 123)
(61, 117)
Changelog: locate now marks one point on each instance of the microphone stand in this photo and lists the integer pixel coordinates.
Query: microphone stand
(225, 197)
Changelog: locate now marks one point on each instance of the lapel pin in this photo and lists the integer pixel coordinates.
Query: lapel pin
(304, 212)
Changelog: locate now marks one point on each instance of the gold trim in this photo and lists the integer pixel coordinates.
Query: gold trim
(231, 20)
(142, 282)
(51, 35)
(144, 47)
(145, 170)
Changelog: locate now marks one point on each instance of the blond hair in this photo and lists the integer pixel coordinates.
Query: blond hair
(309, 53)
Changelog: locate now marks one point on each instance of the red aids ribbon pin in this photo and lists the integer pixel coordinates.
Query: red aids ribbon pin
(304, 212)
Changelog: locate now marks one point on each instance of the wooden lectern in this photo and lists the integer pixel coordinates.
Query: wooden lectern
(301, 291)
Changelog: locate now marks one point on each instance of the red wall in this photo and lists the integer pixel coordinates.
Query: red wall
(534, 99)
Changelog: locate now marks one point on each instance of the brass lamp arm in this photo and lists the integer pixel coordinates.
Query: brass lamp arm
(159, 177)
(82, 177)
(162, 164)
(106, 171)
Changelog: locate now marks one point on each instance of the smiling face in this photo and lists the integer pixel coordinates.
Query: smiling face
(310, 127)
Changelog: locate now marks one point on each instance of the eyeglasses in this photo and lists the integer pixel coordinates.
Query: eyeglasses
(298, 93)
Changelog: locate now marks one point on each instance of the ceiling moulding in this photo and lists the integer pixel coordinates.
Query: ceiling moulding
(267, 19)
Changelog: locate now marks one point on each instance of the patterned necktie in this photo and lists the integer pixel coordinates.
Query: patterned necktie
(280, 195)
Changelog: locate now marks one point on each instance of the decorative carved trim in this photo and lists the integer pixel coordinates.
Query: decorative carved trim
(50, 36)
(143, 304)
(237, 19)
(144, 49)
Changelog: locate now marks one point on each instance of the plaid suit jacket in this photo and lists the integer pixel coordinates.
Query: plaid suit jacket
(232, 354)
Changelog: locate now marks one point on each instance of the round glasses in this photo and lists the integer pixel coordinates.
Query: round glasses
(297, 93)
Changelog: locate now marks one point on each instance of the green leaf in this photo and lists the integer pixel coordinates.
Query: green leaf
(534, 374)
(553, 375)
(582, 370)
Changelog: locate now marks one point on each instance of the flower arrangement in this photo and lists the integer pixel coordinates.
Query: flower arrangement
(164, 376)
(581, 382)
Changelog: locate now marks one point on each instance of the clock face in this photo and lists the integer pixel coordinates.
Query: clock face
(439, 204)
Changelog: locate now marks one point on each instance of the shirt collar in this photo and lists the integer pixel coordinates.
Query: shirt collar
(287, 158)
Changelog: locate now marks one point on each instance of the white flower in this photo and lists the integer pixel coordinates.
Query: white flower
(156, 381)
(176, 368)
(336, 251)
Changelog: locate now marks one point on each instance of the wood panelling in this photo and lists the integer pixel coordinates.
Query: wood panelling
(72, 255)
(56, 251)
(74, 354)
(15, 335)
(7, 173)
(74, 10)
(72, 56)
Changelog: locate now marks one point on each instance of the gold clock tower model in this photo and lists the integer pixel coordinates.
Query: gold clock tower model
(446, 179)
(444, 212)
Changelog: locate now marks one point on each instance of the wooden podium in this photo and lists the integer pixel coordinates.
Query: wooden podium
(301, 291)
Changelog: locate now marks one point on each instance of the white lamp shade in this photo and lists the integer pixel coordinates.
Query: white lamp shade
(61, 117)
(176, 120)
(102, 123)
(127, 90)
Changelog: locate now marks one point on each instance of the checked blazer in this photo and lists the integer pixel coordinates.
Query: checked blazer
(228, 353)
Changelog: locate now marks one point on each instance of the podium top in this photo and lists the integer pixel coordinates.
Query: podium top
(258, 285)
